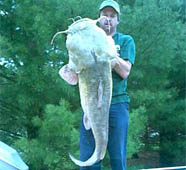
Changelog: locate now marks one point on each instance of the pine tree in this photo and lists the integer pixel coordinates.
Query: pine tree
(40, 113)
(157, 80)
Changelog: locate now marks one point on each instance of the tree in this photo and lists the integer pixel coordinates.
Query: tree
(157, 81)
(30, 79)
(38, 110)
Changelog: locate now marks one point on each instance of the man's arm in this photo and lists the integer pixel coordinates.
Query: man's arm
(122, 67)
(68, 75)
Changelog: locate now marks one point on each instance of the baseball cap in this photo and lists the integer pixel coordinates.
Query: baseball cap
(110, 3)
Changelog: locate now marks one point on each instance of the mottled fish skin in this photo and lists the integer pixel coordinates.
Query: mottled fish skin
(89, 82)
(91, 59)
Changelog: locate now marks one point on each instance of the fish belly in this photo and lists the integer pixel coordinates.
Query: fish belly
(95, 85)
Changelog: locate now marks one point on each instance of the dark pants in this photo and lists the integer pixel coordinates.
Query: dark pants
(118, 127)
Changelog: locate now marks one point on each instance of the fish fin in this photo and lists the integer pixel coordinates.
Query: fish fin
(94, 55)
(86, 122)
(100, 93)
(92, 160)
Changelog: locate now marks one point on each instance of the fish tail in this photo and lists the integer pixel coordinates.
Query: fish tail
(92, 160)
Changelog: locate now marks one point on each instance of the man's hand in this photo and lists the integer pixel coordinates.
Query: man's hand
(122, 67)
(68, 75)
(113, 63)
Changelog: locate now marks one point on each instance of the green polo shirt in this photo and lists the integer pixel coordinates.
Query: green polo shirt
(126, 52)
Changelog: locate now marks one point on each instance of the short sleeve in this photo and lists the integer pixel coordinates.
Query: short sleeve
(127, 49)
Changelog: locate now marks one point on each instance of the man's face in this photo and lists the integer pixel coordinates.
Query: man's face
(109, 25)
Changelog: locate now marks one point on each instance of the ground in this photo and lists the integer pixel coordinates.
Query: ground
(143, 160)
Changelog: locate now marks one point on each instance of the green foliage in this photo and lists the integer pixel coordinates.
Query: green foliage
(40, 112)
(57, 137)
(157, 80)
(138, 120)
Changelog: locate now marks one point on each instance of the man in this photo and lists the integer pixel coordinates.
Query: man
(118, 116)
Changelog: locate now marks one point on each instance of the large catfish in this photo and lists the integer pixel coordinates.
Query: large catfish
(91, 53)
